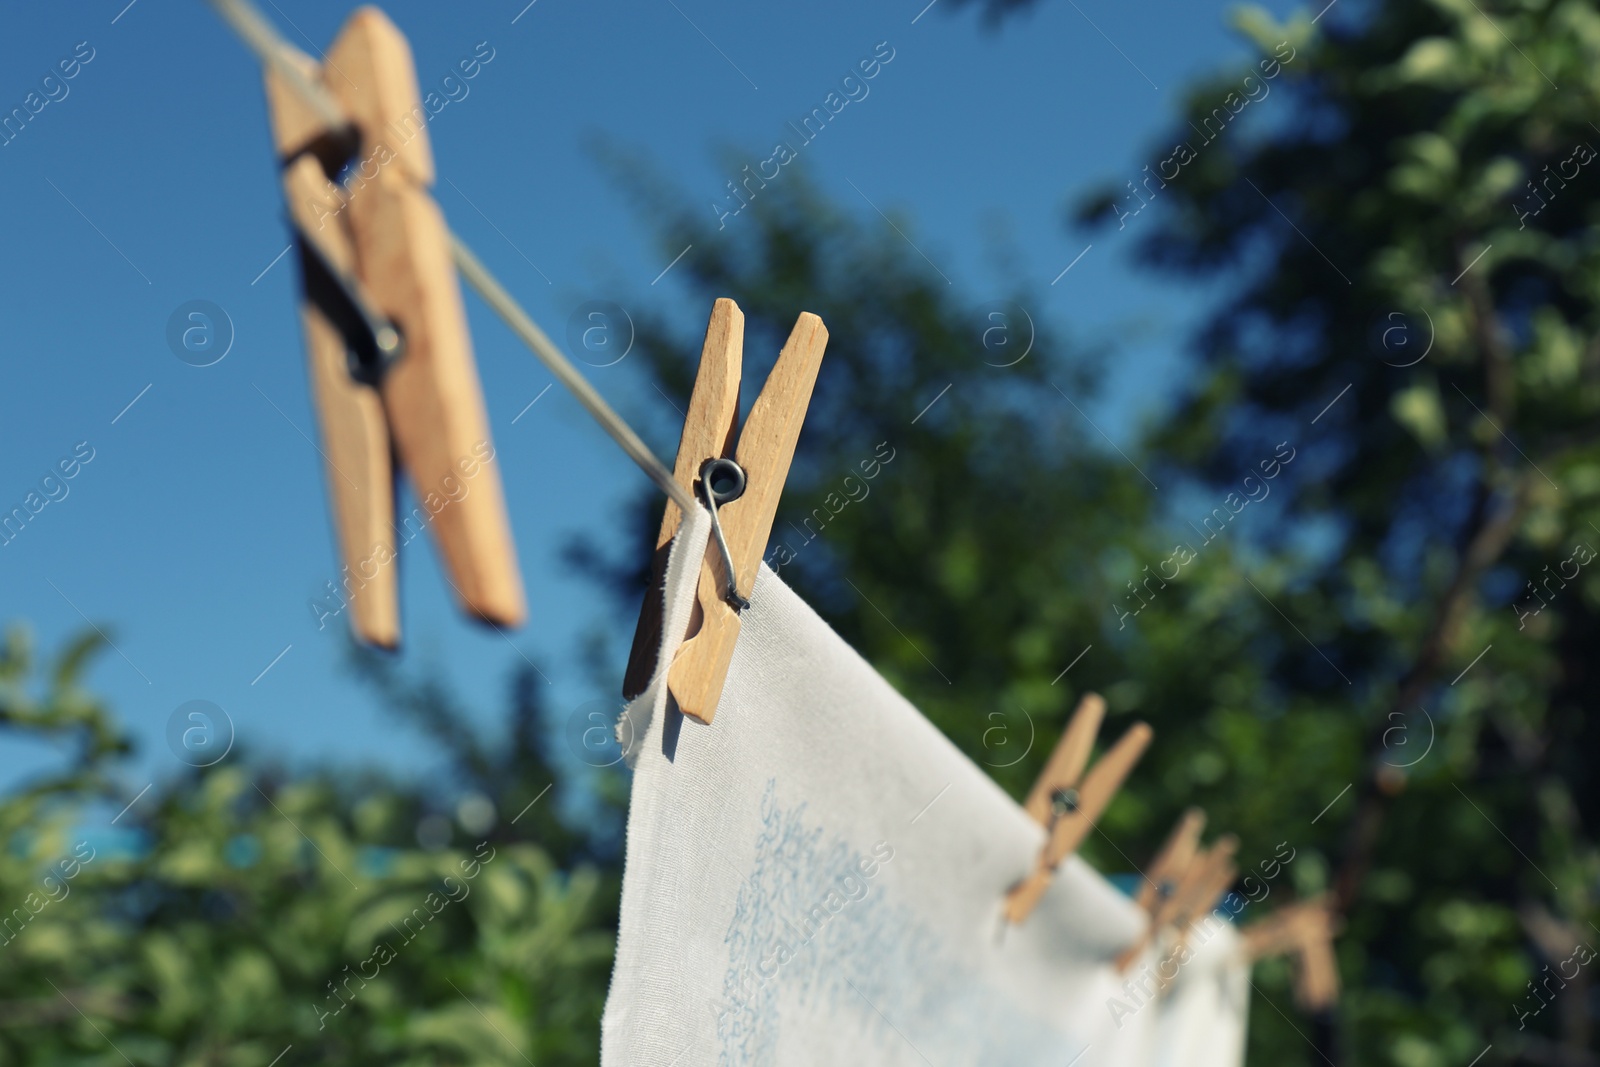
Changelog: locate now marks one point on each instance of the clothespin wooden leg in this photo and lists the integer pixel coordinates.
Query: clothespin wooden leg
(356, 442)
(1068, 759)
(431, 393)
(1168, 868)
(1319, 970)
(355, 437)
(709, 430)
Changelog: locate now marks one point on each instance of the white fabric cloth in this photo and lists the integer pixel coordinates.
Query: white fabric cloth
(1201, 1020)
(816, 878)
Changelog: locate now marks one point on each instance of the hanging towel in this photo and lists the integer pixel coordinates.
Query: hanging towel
(817, 878)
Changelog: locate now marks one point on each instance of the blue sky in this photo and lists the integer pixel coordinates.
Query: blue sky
(199, 529)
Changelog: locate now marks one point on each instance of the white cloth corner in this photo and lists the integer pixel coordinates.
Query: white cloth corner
(817, 878)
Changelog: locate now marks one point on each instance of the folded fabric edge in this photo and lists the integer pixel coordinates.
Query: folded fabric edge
(678, 592)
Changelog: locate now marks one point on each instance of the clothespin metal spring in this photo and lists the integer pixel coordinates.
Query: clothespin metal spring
(372, 341)
(723, 481)
(1063, 802)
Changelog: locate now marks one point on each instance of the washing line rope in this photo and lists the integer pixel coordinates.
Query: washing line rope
(272, 50)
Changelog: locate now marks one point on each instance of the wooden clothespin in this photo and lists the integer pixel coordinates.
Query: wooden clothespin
(1304, 930)
(1172, 862)
(763, 451)
(379, 280)
(1158, 895)
(1067, 802)
(1206, 877)
(1203, 886)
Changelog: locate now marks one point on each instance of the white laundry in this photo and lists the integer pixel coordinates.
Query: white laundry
(817, 878)
(1202, 1017)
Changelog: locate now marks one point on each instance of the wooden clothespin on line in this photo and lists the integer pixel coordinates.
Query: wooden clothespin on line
(760, 456)
(1172, 862)
(391, 360)
(1304, 930)
(316, 125)
(1197, 883)
(1201, 889)
(1158, 894)
(389, 276)
(289, 65)
(1067, 803)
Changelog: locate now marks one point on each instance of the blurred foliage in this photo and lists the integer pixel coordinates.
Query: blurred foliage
(235, 913)
(1415, 223)
(1405, 209)
(1381, 442)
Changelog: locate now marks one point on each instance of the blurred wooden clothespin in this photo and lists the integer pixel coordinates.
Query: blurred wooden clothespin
(1067, 802)
(1202, 887)
(1158, 895)
(1172, 862)
(1304, 930)
(391, 361)
(742, 474)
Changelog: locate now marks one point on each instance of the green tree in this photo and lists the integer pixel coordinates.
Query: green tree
(241, 911)
(1412, 225)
